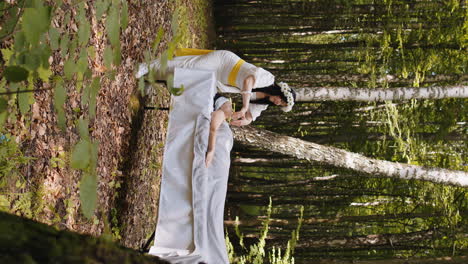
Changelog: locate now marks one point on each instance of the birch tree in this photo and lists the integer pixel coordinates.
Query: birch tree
(301, 149)
(380, 94)
(374, 94)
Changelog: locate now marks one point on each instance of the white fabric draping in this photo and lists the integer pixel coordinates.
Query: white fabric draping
(221, 62)
(191, 204)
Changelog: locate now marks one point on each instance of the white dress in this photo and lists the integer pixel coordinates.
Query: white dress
(190, 227)
(222, 63)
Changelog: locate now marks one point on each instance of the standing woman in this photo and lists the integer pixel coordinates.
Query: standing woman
(257, 86)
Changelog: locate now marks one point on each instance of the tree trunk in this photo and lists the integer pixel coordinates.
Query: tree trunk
(380, 94)
(301, 149)
(293, 221)
(26, 241)
(440, 260)
(373, 241)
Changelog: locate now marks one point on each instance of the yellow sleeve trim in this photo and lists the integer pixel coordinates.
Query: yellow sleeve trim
(233, 74)
(188, 52)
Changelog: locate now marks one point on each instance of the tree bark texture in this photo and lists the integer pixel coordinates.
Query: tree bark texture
(373, 240)
(439, 260)
(26, 241)
(380, 94)
(328, 221)
(301, 149)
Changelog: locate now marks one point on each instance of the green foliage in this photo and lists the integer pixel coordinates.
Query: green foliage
(276, 257)
(124, 15)
(158, 39)
(141, 86)
(95, 85)
(172, 89)
(76, 71)
(64, 42)
(60, 161)
(84, 157)
(166, 55)
(60, 96)
(108, 57)
(406, 124)
(113, 25)
(16, 74)
(23, 204)
(412, 53)
(256, 253)
(27, 62)
(54, 38)
(84, 32)
(3, 105)
(11, 160)
(82, 63)
(25, 100)
(36, 21)
(9, 17)
(80, 157)
(88, 194)
(101, 7)
(4, 203)
(116, 19)
(7, 54)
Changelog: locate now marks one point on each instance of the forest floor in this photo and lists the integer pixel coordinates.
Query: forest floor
(131, 140)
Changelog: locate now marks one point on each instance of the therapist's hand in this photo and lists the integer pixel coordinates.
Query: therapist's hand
(241, 122)
(240, 114)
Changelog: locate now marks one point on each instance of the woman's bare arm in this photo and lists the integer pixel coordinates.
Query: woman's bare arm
(217, 117)
(248, 84)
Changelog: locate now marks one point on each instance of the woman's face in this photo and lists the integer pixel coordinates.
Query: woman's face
(276, 99)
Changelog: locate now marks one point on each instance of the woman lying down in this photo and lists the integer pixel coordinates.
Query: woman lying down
(222, 112)
(190, 227)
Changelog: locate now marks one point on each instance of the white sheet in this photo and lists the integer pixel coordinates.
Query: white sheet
(190, 220)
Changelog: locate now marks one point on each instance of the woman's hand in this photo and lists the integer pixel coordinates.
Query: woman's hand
(241, 122)
(209, 158)
(240, 114)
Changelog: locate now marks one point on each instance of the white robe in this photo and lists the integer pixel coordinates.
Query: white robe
(222, 63)
(191, 207)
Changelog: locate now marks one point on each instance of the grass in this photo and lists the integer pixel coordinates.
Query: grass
(259, 253)
(15, 190)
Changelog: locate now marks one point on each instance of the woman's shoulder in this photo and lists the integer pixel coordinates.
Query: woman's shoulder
(226, 53)
(263, 78)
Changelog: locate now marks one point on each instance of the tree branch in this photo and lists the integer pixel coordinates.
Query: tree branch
(25, 91)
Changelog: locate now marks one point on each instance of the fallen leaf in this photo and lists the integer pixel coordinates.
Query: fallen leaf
(42, 130)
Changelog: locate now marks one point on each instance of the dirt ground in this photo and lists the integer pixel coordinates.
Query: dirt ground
(131, 139)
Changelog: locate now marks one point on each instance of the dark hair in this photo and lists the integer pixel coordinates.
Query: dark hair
(273, 89)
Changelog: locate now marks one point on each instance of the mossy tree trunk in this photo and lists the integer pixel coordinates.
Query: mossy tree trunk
(26, 241)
